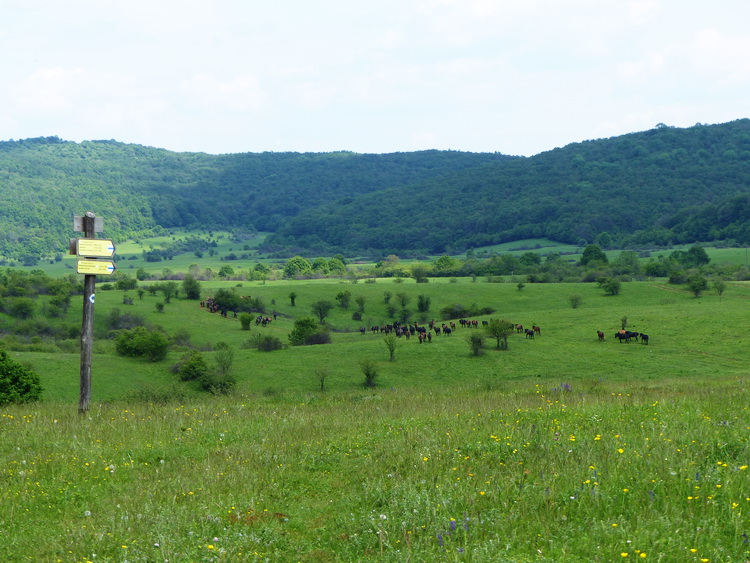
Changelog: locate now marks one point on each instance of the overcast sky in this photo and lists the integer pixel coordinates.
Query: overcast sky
(225, 76)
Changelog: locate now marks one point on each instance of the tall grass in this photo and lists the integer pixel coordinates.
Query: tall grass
(575, 472)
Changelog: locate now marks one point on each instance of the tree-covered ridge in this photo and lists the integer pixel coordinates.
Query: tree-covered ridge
(654, 187)
(45, 181)
(635, 187)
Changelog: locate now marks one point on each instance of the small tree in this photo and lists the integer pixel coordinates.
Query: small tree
(390, 344)
(387, 297)
(360, 301)
(18, 384)
(343, 298)
(169, 290)
(719, 287)
(224, 357)
(246, 320)
(500, 330)
(403, 299)
(370, 370)
(191, 287)
(321, 309)
(293, 298)
(575, 300)
(423, 303)
(697, 284)
(611, 286)
(476, 343)
(520, 285)
(321, 374)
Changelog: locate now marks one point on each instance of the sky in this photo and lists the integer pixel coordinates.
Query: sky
(517, 77)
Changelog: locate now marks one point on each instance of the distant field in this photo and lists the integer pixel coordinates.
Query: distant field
(129, 256)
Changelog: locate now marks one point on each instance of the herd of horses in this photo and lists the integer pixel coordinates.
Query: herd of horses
(626, 336)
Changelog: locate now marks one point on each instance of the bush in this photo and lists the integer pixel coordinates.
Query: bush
(141, 342)
(370, 370)
(18, 384)
(192, 366)
(267, 343)
(306, 331)
(476, 343)
(246, 319)
(216, 383)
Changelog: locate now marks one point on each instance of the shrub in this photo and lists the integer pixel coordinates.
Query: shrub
(306, 331)
(18, 384)
(216, 383)
(246, 319)
(370, 370)
(141, 342)
(267, 343)
(192, 366)
(476, 343)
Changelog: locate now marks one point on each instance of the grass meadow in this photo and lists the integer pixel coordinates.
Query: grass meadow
(562, 448)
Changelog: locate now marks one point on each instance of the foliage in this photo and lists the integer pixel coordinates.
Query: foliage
(246, 320)
(611, 286)
(370, 371)
(266, 342)
(18, 383)
(224, 358)
(142, 342)
(593, 253)
(191, 287)
(321, 309)
(343, 297)
(391, 343)
(697, 283)
(192, 366)
(500, 330)
(307, 331)
(476, 343)
(575, 300)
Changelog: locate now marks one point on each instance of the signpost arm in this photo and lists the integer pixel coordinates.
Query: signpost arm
(87, 327)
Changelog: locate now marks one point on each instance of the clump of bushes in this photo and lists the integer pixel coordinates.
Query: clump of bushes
(18, 383)
(457, 311)
(142, 342)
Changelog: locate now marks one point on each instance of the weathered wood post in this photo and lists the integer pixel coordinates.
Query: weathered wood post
(87, 327)
(91, 249)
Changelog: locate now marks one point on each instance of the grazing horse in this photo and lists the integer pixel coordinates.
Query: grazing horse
(519, 328)
(537, 330)
(623, 335)
(529, 333)
(600, 334)
(644, 338)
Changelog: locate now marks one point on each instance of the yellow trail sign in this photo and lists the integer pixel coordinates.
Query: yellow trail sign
(95, 247)
(95, 267)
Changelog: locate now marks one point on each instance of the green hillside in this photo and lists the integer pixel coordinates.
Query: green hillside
(658, 187)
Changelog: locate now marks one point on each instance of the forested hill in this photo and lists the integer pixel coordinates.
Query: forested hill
(654, 187)
(44, 182)
(658, 186)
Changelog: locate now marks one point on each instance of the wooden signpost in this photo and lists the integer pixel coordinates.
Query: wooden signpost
(90, 249)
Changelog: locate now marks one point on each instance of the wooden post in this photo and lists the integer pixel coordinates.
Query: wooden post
(87, 327)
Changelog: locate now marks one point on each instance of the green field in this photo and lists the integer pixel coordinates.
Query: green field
(562, 448)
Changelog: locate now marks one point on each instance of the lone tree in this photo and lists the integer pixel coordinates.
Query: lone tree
(292, 298)
(390, 343)
(697, 284)
(18, 384)
(321, 309)
(500, 330)
(191, 287)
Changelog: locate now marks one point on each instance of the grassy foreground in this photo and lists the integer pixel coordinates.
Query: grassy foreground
(571, 473)
(561, 448)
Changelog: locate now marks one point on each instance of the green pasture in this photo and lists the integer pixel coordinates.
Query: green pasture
(690, 338)
(562, 448)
